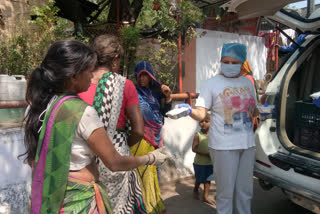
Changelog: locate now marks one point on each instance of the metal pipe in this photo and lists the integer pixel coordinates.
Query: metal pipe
(180, 62)
(277, 49)
(183, 96)
(13, 104)
(180, 49)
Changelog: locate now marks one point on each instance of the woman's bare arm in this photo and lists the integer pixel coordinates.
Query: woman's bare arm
(102, 146)
(137, 125)
(198, 113)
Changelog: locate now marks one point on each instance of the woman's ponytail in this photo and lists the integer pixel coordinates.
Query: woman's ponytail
(63, 60)
(38, 96)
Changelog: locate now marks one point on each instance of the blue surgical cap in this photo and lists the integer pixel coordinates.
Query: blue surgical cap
(235, 50)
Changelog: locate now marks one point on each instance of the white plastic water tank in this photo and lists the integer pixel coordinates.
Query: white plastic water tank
(12, 88)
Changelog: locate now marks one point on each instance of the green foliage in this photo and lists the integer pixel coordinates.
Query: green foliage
(14, 55)
(164, 58)
(189, 16)
(218, 11)
(103, 16)
(45, 15)
(149, 17)
(129, 36)
(25, 50)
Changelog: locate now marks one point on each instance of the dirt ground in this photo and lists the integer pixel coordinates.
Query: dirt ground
(178, 198)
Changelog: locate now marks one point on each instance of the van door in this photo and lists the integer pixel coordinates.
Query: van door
(302, 16)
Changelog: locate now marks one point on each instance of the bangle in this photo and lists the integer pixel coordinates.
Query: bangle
(148, 159)
(154, 159)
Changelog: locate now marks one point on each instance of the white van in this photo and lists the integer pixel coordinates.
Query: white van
(288, 141)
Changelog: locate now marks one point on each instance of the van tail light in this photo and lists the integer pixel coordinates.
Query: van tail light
(263, 163)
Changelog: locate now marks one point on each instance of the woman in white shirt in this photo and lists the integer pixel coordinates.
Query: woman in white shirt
(231, 99)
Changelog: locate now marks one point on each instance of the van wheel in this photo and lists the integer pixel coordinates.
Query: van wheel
(265, 185)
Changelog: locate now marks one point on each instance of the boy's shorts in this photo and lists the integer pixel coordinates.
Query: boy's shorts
(203, 173)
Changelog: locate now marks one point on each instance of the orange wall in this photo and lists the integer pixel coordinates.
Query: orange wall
(189, 75)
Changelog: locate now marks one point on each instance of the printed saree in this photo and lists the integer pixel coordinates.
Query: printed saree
(152, 117)
(52, 162)
(150, 109)
(90, 197)
(123, 187)
(148, 177)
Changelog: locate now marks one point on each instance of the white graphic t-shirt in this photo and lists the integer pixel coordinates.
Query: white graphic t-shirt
(231, 102)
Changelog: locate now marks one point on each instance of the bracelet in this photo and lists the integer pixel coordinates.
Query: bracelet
(154, 158)
(148, 159)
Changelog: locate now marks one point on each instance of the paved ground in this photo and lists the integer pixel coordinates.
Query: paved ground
(178, 200)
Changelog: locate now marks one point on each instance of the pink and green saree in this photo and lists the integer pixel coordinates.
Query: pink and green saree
(52, 190)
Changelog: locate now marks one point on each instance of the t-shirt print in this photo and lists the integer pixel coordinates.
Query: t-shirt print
(238, 104)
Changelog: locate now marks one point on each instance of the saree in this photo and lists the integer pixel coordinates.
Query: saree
(90, 197)
(150, 109)
(52, 161)
(123, 187)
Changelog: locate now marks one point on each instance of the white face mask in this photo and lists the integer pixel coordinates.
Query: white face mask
(230, 70)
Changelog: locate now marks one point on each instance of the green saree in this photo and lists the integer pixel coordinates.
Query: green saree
(52, 162)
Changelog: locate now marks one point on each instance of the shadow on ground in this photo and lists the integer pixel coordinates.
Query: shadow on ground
(178, 198)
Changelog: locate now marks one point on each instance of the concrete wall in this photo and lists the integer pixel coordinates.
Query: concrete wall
(178, 138)
(15, 14)
(15, 175)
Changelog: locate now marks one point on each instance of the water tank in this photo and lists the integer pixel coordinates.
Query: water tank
(12, 90)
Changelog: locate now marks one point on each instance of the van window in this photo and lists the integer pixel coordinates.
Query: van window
(303, 11)
(303, 83)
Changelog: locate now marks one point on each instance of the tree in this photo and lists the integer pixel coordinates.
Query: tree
(160, 23)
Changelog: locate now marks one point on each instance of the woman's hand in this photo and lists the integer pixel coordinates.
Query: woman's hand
(159, 156)
(167, 92)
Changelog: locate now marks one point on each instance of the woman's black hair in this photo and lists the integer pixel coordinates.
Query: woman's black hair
(64, 59)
